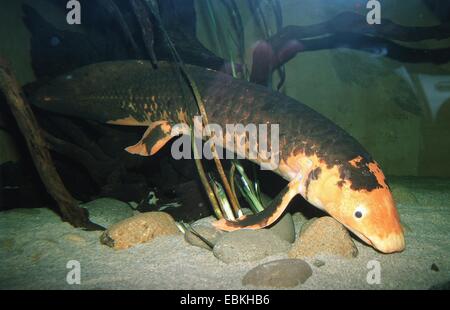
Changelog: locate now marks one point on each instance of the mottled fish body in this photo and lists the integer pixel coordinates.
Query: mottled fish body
(321, 161)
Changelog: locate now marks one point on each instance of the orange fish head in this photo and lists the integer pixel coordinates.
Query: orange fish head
(358, 196)
(370, 215)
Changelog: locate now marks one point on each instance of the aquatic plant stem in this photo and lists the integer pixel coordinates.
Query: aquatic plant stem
(204, 180)
(222, 199)
(248, 191)
(202, 110)
(236, 22)
(231, 175)
(200, 105)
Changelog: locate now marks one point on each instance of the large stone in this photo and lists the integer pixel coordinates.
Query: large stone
(249, 245)
(282, 273)
(206, 230)
(299, 220)
(138, 229)
(305, 226)
(284, 228)
(106, 211)
(324, 236)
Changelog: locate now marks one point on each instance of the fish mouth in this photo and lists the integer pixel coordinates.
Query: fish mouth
(393, 243)
(362, 237)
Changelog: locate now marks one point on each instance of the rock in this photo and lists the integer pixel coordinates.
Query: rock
(205, 228)
(282, 273)
(324, 235)
(318, 263)
(299, 220)
(208, 233)
(306, 225)
(284, 228)
(106, 211)
(248, 245)
(140, 228)
(434, 267)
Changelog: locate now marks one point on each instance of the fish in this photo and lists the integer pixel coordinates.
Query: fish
(319, 160)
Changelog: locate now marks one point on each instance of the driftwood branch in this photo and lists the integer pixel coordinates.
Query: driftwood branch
(35, 141)
(349, 22)
(114, 11)
(77, 154)
(348, 30)
(179, 20)
(76, 134)
(141, 12)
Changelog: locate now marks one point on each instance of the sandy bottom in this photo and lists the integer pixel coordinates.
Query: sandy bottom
(35, 247)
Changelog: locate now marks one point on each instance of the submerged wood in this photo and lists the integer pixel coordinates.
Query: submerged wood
(141, 12)
(114, 11)
(349, 30)
(40, 155)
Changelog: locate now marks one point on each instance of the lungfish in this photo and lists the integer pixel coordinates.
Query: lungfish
(320, 161)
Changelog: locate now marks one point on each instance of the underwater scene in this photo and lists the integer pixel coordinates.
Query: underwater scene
(224, 145)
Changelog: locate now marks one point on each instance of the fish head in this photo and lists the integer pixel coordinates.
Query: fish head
(355, 193)
(370, 214)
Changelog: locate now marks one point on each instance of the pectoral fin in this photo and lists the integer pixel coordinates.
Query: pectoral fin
(267, 217)
(154, 138)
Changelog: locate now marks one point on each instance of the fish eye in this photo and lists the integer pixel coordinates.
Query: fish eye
(359, 212)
